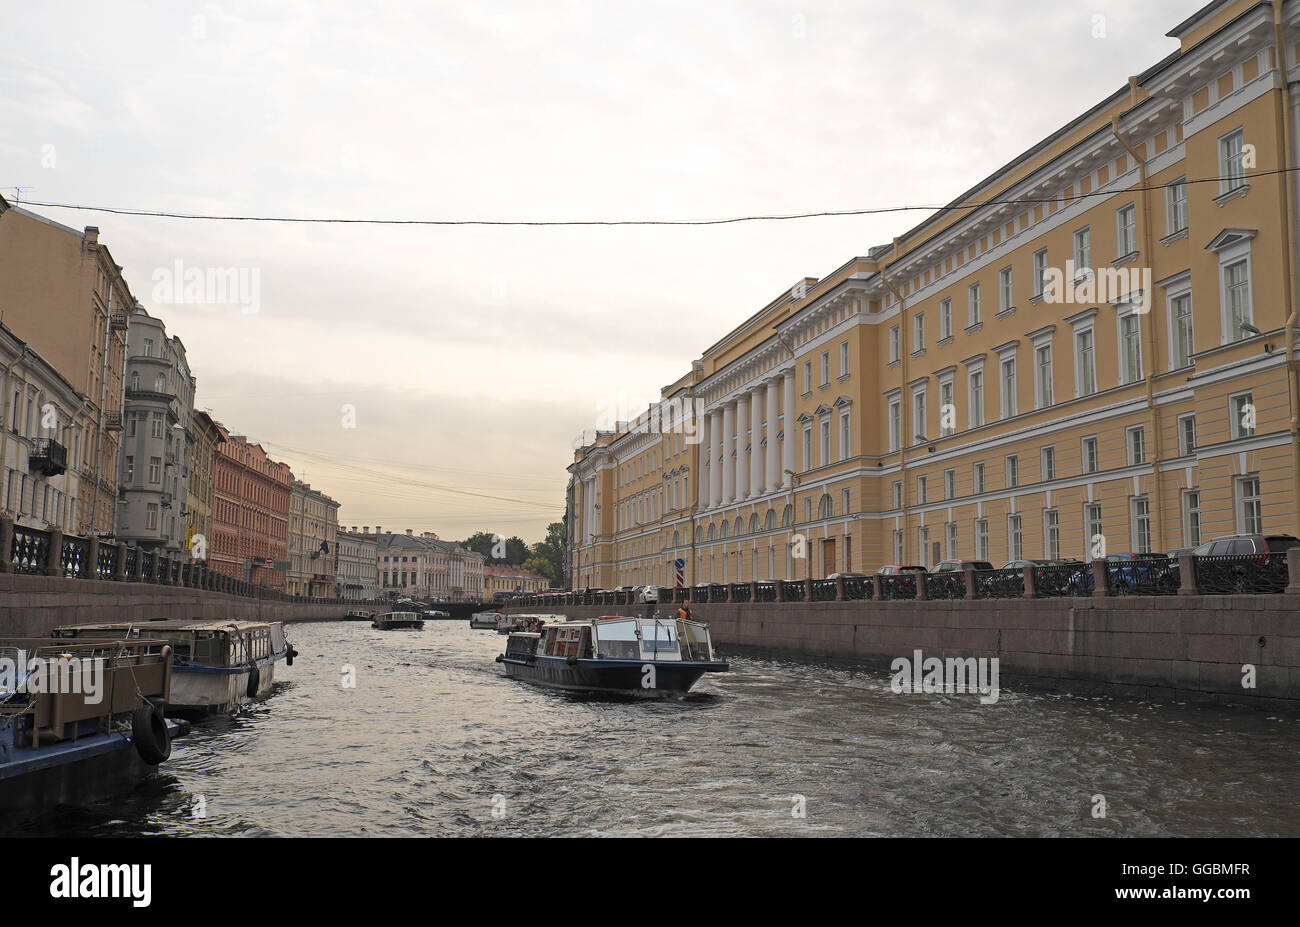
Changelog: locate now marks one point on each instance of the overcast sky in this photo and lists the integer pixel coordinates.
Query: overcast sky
(474, 357)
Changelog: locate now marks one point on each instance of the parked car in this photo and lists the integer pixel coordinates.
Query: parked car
(1238, 544)
(848, 576)
(1148, 574)
(957, 566)
(646, 594)
(894, 569)
(890, 584)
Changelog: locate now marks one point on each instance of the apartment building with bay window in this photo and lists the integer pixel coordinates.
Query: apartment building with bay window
(1092, 355)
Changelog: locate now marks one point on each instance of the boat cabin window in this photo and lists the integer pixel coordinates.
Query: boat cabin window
(617, 640)
(695, 642)
(659, 637)
(566, 642)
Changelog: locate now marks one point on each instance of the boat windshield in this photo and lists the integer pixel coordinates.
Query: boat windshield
(659, 636)
(618, 640)
(695, 642)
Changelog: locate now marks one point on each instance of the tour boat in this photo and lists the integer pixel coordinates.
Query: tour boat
(218, 665)
(485, 621)
(390, 621)
(519, 621)
(80, 720)
(614, 653)
(359, 614)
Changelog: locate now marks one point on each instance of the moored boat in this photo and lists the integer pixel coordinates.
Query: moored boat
(218, 666)
(80, 720)
(615, 654)
(359, 614)
(390, 621)
(526, 621)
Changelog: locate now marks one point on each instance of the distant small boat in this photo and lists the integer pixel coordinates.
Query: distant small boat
(392, 621)
(358, 614)
(617, 654)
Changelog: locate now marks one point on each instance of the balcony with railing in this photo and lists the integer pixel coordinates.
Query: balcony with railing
(48, 457)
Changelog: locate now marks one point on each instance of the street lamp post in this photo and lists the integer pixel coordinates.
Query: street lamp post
(794, 483)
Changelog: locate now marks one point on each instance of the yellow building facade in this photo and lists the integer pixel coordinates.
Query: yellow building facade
(1092, 351)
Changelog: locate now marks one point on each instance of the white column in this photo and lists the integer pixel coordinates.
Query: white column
(787, 446)
(756, 442)
(728, 464)
(742, 456)
(701, 468)
(715, 458)
(773, 478)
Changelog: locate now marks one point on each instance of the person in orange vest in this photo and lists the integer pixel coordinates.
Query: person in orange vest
(684, 613)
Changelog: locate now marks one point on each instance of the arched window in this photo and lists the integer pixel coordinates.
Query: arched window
(740, 526)
(753, 523)
(825, 508)
(713, 532)
(725, 532)
(770, 523)
(699, 533)
(676, 540)
(787, 517)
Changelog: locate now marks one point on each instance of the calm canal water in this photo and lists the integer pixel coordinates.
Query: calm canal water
(433, 740)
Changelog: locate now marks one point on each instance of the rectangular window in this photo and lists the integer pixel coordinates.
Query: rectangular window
(1015, 545)
(897, 494)
(1232, 170)
(1242, 412)
(807, 376)
(977, 477)
(923, 545)
(1008, 368)
(807, 448)
(1137, 450)
(129, 478)
(973, 305)
(918, 332)
(949, 484)
(921, 484)
(1092, 533)
(1125, 230)
(945, 319)
(1186, 435)
(1176, 206)
(950, 540)
(156, 424)
(895, 424)
(976, 398)
(1090, 459)
(898, 547)
(1191, 519)
(845, 449)
(1180, 311)
(1141, 525)
(1082, 251)
(1085, 363)
(1043, 383)
(844, 358)
(825, 441)
(151, 516)
(155, 469)
(918, 415)
(1013, 471)
(1049, 463)
(1236, 292)
(826, 367)
(981, 539)
(1040, 272)
(1052, 535)
(1131, 347)
(893, 344)
(947, 410)
(1006, 293)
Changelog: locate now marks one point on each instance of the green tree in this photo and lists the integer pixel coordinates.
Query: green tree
(541, 567)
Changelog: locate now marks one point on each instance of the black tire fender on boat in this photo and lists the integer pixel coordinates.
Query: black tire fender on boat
(572, 661)
(254, 680)
(500, 658)
(289, 655)
(149, 734)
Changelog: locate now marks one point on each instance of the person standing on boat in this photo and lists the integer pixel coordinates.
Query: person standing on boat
(684, 613)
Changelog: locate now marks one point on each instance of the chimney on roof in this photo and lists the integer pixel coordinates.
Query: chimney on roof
(409, 532)
(379, 529)
(366, 529)
(92, 234)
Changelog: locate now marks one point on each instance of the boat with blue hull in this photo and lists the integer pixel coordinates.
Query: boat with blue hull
(645, 657)
(79, 722)
(218, 665)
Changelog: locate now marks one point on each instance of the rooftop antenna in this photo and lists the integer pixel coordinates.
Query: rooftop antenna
(18, 193)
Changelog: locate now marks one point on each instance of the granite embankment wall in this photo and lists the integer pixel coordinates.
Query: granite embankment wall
(30, 606)
(1180, 647)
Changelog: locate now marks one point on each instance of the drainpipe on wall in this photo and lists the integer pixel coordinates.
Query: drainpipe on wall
(904, 406)
(1292, 287)
(103, 398)
(1148, 247)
